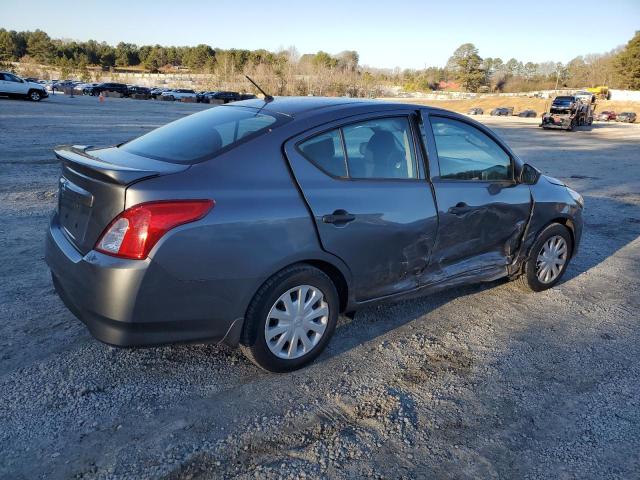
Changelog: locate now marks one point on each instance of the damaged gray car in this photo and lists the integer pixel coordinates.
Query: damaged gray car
(258, 223)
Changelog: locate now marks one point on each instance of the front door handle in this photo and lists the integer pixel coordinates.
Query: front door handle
(460, 209)
(339, 217)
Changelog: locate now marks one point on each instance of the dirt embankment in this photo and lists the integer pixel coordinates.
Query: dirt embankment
(539, 105)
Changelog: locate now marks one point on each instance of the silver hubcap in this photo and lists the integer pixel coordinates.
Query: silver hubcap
(296, 322)
(551, 259)
(35, 96)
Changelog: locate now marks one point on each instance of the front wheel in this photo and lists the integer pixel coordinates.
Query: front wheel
(548, 259)
(290, 319)
(35, 96)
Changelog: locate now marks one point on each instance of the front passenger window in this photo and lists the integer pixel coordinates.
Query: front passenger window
(466, 153)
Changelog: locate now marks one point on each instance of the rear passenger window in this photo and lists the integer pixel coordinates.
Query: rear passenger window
(325, 151)
(375, 149)
(466, 153)
(380, 148)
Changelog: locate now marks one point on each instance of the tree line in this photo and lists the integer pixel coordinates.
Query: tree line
(288, 72)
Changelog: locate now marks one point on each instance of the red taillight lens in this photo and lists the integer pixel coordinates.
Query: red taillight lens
(134, 232)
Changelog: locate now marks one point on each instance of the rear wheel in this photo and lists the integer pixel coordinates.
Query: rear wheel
(290, 319)
(548, 259)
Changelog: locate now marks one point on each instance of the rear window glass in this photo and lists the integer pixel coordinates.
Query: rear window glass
(202, 135)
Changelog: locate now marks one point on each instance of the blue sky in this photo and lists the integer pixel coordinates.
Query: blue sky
(403, 33)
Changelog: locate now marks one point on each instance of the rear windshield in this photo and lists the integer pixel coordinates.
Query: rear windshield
(203, 135)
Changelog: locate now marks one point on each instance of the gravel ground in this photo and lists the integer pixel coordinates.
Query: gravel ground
(479, 382)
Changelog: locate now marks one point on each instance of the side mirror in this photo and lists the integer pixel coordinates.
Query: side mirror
(529, 175)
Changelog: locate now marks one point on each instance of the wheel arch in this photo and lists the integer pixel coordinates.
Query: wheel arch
(336, 273)
(564, 221)
(336, 276)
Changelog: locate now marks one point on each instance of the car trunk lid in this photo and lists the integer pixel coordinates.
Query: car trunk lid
(92, 188)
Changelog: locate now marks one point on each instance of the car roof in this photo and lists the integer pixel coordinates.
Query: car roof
(310, 107)
(293, 106)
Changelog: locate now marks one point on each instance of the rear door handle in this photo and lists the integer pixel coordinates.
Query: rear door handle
(339, 217)
(460, 209)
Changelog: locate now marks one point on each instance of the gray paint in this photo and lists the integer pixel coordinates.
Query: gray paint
(199, 278)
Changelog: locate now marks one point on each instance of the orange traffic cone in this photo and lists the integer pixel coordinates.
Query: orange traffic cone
(101, 97)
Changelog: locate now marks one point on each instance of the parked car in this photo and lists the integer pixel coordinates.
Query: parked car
(528, 114)
(606, 116)
(107, 87)
(254, 223)
(225, 97)
(502, 111)
(247, 96)
(12, 85)
(180, 93)
(86, 87)
(48, 84)
(66, 84)
(136, 90)
(475, 111)
(156, 92)
(628, 117)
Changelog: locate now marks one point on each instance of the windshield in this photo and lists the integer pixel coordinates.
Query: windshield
(203, 135)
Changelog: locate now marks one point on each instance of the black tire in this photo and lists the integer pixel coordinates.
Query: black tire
(253, 342)
(529, 279)
(34, 95)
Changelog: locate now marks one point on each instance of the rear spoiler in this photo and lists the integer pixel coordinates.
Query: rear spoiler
(113, 165)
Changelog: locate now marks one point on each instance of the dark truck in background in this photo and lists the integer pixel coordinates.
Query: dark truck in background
(568, 112)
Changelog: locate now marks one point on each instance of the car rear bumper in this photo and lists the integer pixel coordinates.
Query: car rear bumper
(129, 303)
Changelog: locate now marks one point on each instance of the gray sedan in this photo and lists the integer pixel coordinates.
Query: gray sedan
(258, 223)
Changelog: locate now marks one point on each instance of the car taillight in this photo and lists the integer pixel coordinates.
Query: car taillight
(134, 232)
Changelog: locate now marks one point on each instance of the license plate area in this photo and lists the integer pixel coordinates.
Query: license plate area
(74, 209)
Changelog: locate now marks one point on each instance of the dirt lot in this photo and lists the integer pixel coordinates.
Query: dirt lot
(480, 382)
(539, 105)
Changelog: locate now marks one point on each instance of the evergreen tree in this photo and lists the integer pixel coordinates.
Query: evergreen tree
(627, 64)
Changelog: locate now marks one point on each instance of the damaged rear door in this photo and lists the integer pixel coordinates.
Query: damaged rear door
(364, 182)
(483, 210)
